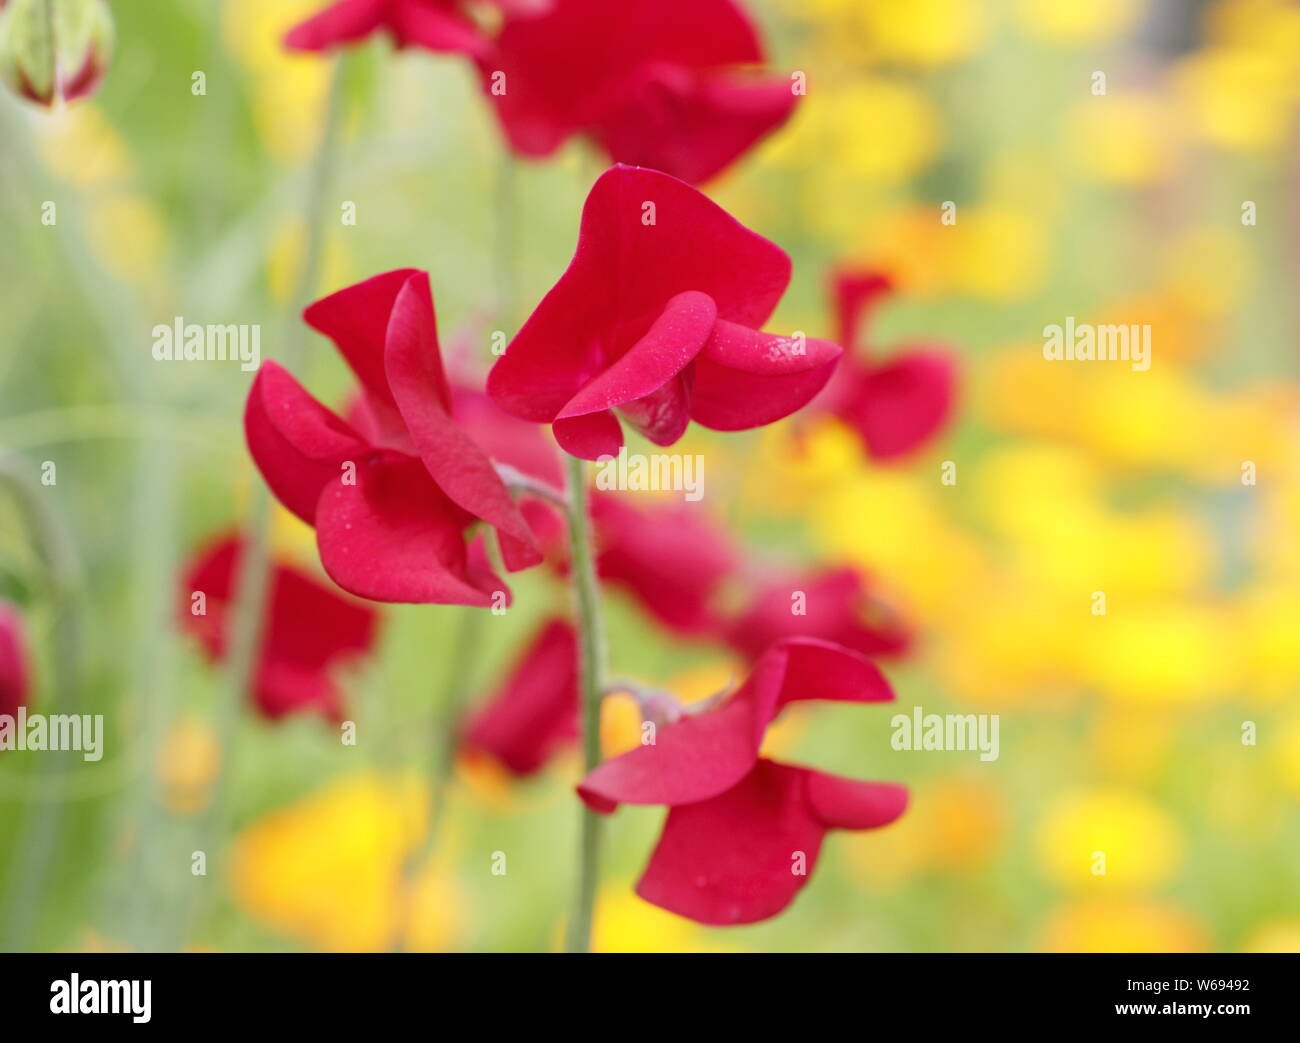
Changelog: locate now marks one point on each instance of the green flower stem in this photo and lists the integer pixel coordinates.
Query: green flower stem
(255, 566)
(591, 638)
(42, 822)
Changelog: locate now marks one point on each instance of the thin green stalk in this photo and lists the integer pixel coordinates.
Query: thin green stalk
(42, 821)
(255, 566)
(591, 639)
(462, 653)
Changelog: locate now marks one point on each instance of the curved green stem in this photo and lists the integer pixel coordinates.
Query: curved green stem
(591, 638)
(42, 822)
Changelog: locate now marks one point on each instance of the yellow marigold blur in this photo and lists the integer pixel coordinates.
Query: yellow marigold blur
(186, 764)
(1131, 744)
(1275, 936)
(285, 84)
(1207, 270)
(795, 463)
(1236, 98)
(1076, 23)
(954, 824)
(1122, 138)
(1000, 252)
(1104, 925)
(285, 260)
(620, 725)
(1269, 26)
(83, 147)
(895, 133)
(1263, 620)
(328, 869)
(1161, 653)
(897, 526)
(625, 923)
(1142, 845)
(128, 236)
(1286, 753)
(1013, 645)
(923, 33)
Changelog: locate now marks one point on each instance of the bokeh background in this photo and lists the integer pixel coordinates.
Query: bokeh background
(1120, 733)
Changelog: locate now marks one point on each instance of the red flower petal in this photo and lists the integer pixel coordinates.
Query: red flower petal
(356, 320)
(341, 23)
(693, 125)
(394, 536)
(898, 406)
(707, 753)
(535, 711)
(744, 378)
(549, 96)
(854, 293)
(591, 436)
(14, 672)
(622, 278)
(670, 557)
(308, 628)
(459, 467)
(742, 856)
(668, 347)
(841, 803)
(297, 444)
(837, 607)
(437, 25)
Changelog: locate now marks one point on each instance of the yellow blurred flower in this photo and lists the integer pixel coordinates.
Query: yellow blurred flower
(924, 33)
(1104, 925)
(850, 140)
(285, 260)
(1207, 270)
(896, 526)
(1000, 252)
(128, 235)
(186, 764)
(1076, 23)
(1275, 936)
(954, 824)
(328, 869)
(625, 923)
(285, 84)
(1107, 838)
(84, 148)
(1236, 98)
(1167, 653)
(1286, 753)
(1122, 138)
(920, 33)
(1131, 744)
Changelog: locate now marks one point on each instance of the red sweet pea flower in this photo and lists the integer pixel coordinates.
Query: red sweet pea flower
(15, 678)
(308, 629)
(535, 711)
(671, 558)
(438, 25)
(667, 84)
(739, 826)
(835, 606)
(896, 405)
(391, 495)
(656, 317)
